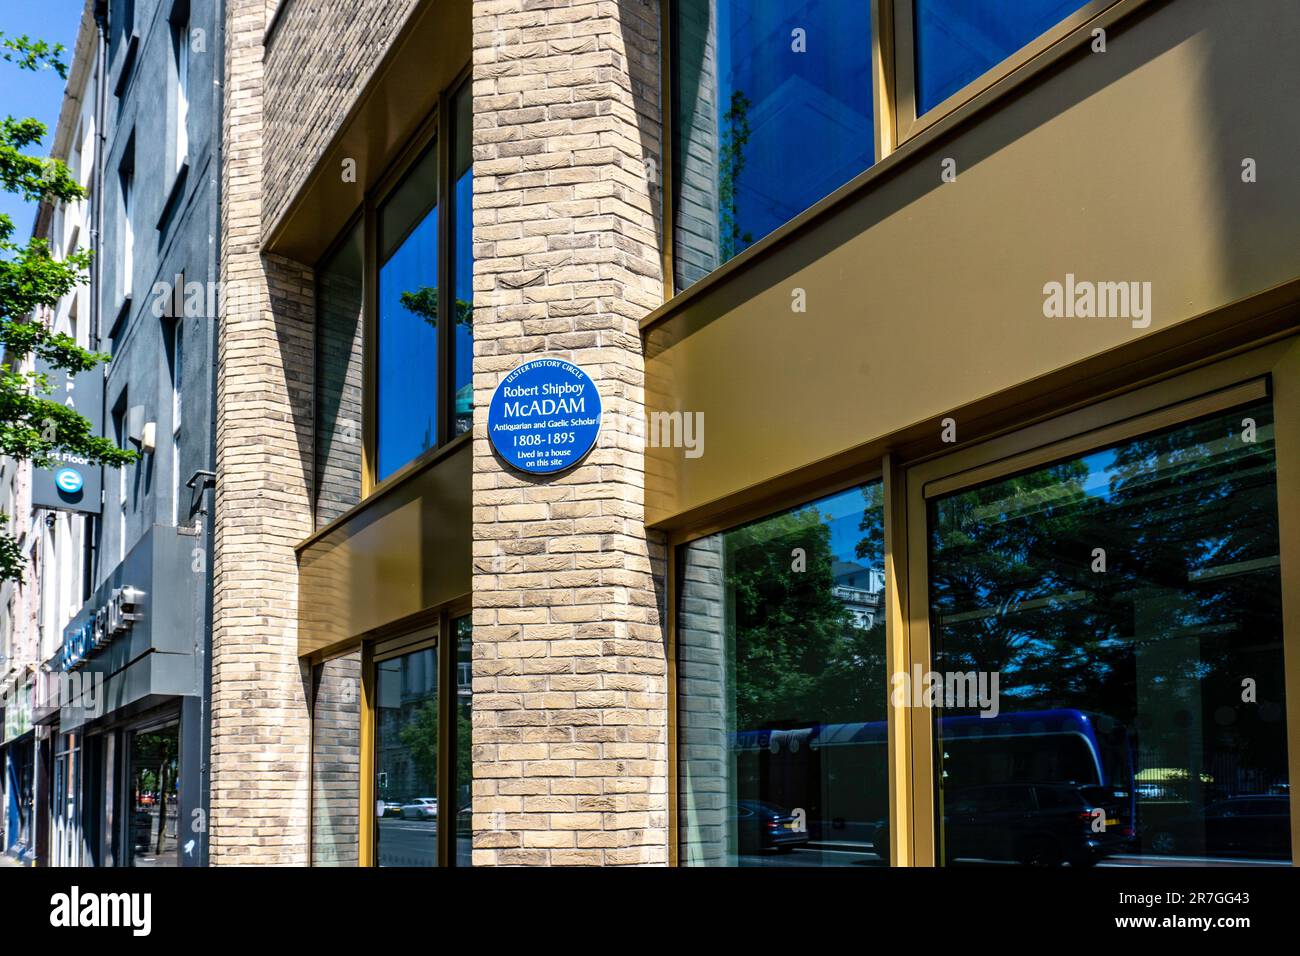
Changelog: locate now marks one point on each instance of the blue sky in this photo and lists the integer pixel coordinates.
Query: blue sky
(23, 93)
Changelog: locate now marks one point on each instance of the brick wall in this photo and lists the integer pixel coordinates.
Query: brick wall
(321, 55)
(570, 753)
(260, 728)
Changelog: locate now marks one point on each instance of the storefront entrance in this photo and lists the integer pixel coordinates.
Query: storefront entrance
(154, 794)
(19, 818)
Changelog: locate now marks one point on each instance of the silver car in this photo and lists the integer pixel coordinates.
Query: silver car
(421, 808)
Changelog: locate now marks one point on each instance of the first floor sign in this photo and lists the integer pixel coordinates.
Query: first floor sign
(544, 416)
(69, 482)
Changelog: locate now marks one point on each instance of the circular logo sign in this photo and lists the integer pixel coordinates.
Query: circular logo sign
(544, 416)
(68, 480)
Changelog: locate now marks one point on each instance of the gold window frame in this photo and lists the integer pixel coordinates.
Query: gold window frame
(1263, 371)
(1271, 372)
(427, 630)
(435, 133)
(898, 130)
(1065, 37)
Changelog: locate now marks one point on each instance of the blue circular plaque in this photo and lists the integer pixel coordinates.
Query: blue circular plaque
(544, 416)
(68, 480)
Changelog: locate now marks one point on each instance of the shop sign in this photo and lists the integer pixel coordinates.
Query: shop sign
(70, 482)
(544, 416)
(110, 620)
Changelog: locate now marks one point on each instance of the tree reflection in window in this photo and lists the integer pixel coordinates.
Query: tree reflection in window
(1141, 584)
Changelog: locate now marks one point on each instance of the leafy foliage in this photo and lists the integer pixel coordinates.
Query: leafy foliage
(731, 164)
(29, 54)
(419, 736)
(1188, 603)
(11, 555)
(424, 303)
(799, 653)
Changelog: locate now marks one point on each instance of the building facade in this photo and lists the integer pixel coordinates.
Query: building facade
(158, 296)
(944, 505)
(41, 797)
(986, 399)
(119, 694)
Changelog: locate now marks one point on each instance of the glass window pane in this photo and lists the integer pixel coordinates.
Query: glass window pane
(155, 796)
(1128, 604)
(772, 112)
(958, 41)
(782, 689)
(462, 385)
(336, 763)
(407, 365)
(339, 379)
(464, 741)
(406, 759)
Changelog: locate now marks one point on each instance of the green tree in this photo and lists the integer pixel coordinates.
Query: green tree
(424, 303)
(731, 163)
(32, 426)
(799, 656)
(419, 735)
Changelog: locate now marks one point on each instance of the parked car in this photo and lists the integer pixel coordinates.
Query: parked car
(764, 826)
(421, 808)
(1043, 824)
(1256, 825)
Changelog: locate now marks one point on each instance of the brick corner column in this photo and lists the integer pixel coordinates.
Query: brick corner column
(260, 724)
(570, 674)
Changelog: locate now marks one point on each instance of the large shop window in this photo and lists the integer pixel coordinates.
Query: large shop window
(406, 759)
(782, 689)
(958, 41)
(336, 762)
(1128, 602)
(772, 106)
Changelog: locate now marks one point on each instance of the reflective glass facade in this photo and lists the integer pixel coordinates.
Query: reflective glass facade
(406, 408)
(773, 111)
(958, 41)
(406, 760)
(782, 679)
(1128, 604)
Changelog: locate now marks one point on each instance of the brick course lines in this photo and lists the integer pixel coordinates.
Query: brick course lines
(570, 741)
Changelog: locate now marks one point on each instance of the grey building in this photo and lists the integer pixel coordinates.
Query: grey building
(133, 662)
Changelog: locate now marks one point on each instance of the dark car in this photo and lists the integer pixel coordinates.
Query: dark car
(1257, 826)
(1045, 824)
(764, 826)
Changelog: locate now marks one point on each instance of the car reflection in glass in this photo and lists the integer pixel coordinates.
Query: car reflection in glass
(1048, 824)
(421, 808)
(761, 827)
